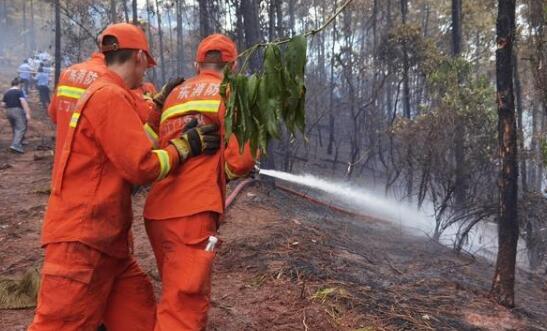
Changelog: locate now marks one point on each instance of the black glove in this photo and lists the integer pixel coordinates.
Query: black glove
(160, 97)
(196, 140)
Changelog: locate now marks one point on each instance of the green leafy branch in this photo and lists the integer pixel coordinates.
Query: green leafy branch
(256, 104)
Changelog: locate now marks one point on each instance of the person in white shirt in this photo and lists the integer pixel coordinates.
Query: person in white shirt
(25, 75)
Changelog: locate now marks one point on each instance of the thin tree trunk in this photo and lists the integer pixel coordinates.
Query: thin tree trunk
(279, 16)
(3, 12)
(249, 9)
(504, 277)
(539, 39)
(134, 12)
(150, 37)
(332, 138)
(520, 109)
(170, 25)
(125, 11)
(427, 13)
(25, 32)
(180, 41)
(406, 101)
(160, 34)
(539, 45)
(291, 16)
(536, 173)
(57, 41)
(204, 23)
(406, 65)
(32, 31)
(459, 153)
(248, 12)
(113, 13)
(271, 20)
(240, 29)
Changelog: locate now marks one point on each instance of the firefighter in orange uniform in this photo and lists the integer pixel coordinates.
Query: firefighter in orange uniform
(88, 275)
(182, 211)
(72, 84)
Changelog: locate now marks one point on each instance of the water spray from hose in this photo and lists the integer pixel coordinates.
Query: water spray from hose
(482, 241)
(352, 197)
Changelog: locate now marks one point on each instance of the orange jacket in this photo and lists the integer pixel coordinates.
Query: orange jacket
(106, 151)
(72, 85)
(199, 184)
(237, 164)
(143, 95)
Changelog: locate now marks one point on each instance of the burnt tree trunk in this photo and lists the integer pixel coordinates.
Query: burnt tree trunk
(406, 65)
(406, 101)
(134, 12)
(113, 14)
(459, 153)
(204, 23)
(332, 138)
(508, 229)
(249, 11)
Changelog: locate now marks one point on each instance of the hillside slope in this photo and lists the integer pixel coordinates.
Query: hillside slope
(287, 264)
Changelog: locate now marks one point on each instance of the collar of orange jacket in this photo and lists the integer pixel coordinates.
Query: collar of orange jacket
(208, 72)
(115, 78)
(97, 58)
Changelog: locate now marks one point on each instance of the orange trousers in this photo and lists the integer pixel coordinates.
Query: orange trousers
(185, 270)
(82, 287)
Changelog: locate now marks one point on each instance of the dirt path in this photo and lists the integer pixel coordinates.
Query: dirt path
(287, 264)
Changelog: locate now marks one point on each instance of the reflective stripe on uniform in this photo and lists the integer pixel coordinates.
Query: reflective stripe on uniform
(70, 91)
(165, 165)
(229, 173)
(151, 134)
(74, 120)
(206, 106)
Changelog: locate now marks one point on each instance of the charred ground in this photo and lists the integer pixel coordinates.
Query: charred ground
(287, 264)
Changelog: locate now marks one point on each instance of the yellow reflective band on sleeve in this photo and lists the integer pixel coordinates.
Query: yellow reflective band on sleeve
(165, 165)
(229, 173)
(151, 134)
(206, 106)
(70, 91)
(74, 120)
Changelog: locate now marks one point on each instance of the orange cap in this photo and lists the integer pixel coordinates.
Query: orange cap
(129, 36)
(217, 42)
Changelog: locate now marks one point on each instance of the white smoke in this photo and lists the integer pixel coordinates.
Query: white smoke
(482, 240)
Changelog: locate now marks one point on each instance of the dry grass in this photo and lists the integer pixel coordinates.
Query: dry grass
(20, 293)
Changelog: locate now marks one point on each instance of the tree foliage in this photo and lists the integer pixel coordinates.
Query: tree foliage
(256, 104)
(459, 96)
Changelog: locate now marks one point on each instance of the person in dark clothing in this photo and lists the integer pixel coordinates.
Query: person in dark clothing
(18, 114)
